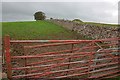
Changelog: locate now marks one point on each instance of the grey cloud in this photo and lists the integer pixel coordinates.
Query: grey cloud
(86, 11)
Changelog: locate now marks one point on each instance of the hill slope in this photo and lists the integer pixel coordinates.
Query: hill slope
(36, 30)
(90, 29)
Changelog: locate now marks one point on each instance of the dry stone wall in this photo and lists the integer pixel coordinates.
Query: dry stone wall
(92, 31)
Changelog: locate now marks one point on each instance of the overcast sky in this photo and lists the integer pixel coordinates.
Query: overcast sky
(106, 11)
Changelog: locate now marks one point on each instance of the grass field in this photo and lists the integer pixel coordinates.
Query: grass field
(41, 30)
(35, 30)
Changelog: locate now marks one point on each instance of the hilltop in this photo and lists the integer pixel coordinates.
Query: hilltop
(58, 29)
(36, 30)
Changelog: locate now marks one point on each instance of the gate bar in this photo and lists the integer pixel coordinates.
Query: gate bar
(39, 41)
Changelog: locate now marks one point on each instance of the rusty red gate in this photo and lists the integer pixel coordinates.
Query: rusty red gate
(53, 59)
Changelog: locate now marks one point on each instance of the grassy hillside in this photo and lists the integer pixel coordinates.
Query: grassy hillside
(35, 30)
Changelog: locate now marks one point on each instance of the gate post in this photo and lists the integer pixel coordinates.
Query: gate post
(91, 58)
(70, 58)
(8, 57)
(25, 54)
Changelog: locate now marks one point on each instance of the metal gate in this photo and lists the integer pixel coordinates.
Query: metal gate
(53, 59)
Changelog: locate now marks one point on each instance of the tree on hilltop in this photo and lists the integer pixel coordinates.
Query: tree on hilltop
(39, 15)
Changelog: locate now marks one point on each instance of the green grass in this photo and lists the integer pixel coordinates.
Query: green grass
(35, 30)
(41, 30)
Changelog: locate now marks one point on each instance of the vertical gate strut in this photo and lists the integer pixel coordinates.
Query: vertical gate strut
(8, 57)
